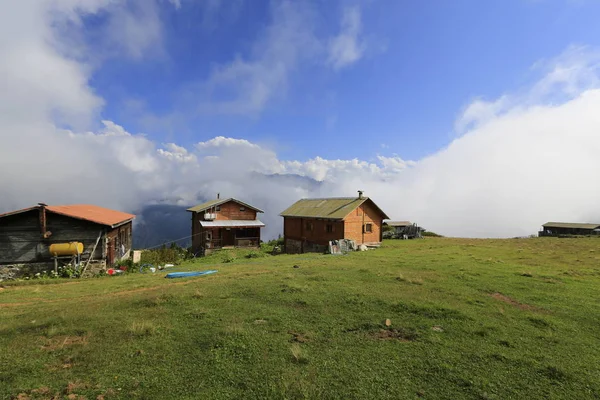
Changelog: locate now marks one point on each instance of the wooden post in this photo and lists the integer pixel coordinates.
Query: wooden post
(92, 253)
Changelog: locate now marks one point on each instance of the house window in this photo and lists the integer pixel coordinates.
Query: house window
(329, 228)
(242, 208)
(218, 208)
(368, 228)
(309, 226)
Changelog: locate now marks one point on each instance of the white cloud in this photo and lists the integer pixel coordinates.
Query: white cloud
(523, 159)
(347, 47)
(248, 84)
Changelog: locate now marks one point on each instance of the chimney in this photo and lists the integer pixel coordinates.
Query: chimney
(42, 216)
(360, 194)
(218, 196)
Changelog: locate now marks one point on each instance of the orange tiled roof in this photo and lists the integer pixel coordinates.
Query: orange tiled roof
(89, 212)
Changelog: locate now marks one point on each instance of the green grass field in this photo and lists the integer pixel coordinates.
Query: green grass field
(473, 319)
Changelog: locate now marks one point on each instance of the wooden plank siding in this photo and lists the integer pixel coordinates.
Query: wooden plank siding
(358, 219)
(313, 230)
(21, 239)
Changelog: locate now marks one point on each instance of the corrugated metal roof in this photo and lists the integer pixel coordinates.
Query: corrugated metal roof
(398, 223)
(570, 225)
(232, 223)
(218, 202)
(87, 212)
(328, 208)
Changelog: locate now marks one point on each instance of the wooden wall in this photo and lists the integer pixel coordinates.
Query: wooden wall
(21, 238)
(312, 230)
(355, 222)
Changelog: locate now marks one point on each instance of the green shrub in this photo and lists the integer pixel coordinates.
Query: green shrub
(430, 234)
(228, 257)
(173, 254)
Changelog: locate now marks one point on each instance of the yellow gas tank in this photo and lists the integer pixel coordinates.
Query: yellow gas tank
(66, 249)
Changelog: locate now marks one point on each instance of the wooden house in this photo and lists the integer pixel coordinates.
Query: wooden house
(569, 229)
(26, 235)
(309, 224)
(227, 223)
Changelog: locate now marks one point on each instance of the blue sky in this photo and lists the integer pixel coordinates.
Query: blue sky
(422, 63)
(452, 114)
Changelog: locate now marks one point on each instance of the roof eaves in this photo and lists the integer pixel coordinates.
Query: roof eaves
(218, 203)
(18, 211)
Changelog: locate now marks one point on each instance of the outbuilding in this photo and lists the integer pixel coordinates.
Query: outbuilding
(569, 229)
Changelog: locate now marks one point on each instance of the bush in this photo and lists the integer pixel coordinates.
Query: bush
(269, 246)
(173, 254)
(430, 234)
(228, 257)
(256, 254)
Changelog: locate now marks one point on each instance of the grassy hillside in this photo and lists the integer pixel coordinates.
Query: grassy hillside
(475, 319)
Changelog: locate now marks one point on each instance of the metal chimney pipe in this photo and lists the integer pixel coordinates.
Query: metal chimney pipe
(218, 196)
(360, 194)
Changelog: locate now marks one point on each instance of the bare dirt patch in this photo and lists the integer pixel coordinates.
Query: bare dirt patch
(403, 335)
(60, 342)
(298, 337)
(513, 302)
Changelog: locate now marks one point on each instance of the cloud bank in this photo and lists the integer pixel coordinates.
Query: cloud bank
(519, 160)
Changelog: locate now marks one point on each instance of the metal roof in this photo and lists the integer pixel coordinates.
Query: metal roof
(570, 225)
(328, 208)
(87, 212)
(232, 223)
(218, 202)
(398, 223)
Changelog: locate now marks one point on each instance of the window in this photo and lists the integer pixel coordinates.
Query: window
(329, 228)
(368, 228)
(218, 208)
(309, 226)
(242, 208)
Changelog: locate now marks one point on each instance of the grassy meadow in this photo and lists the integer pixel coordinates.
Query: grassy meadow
(468, 319)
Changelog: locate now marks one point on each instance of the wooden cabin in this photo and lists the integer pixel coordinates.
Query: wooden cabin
(227, 223)
(26, 235)
(569, 229)
(309, 224)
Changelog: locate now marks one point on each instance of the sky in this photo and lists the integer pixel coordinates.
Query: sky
(472, 118)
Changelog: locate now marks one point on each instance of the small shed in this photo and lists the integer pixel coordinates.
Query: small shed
(404, 229)
(569, 229)
(27, 234)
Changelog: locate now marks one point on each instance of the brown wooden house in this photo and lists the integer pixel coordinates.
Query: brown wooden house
(227, 223)
(309, 224)
(26, 235)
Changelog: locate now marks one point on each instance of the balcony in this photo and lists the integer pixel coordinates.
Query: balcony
(210, 216)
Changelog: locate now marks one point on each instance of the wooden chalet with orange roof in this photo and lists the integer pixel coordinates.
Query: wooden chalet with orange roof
(26, 235)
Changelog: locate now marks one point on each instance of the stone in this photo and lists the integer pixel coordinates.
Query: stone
(388, 322)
